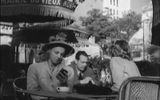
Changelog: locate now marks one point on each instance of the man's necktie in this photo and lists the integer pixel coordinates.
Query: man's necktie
(80, 76)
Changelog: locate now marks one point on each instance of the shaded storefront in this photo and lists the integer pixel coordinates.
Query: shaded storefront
(156, 22)
(34, 12)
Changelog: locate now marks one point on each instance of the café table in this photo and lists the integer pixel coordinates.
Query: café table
(68, 96)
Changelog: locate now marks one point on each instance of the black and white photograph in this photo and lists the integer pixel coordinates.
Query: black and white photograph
(79, 49)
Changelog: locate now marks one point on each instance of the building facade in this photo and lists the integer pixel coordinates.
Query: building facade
(116, 8)
(83, 8)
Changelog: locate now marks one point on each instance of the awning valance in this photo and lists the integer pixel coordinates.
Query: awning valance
(36, 10)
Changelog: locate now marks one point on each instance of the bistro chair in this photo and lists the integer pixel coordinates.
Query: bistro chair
(6, 88)
(20, 86)
(140, 88)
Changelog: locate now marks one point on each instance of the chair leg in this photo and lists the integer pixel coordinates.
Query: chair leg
(28, 97)
(1, 91)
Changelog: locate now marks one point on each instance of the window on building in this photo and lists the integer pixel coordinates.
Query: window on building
(117, 12)
(108, 11)
(114, 2)
(114, 12)
(111, 2)
(111, 11)
(117, 3)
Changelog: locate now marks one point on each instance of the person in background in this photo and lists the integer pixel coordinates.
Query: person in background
(7, 60)
(47, 75)
(83, 74)
(121, 64)
(151, 67)
(154, 52)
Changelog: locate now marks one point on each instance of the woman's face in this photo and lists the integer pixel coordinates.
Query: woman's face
(82, 62)
(56, 55)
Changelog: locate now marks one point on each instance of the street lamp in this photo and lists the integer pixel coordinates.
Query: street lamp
(143, 42)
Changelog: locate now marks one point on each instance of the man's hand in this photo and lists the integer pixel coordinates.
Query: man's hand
(87, 80)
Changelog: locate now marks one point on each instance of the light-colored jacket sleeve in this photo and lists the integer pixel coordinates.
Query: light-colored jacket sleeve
(31, 78)
(32, 83)
(117, 73)
(38, 77)
(45, 80)
(122, 69)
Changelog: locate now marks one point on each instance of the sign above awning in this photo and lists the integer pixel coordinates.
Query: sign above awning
(36, 10)
(6, 28)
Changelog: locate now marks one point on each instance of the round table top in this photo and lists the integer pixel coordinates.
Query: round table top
(65, 95)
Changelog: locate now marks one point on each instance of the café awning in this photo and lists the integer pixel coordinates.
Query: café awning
(41, 35)
(36, 10)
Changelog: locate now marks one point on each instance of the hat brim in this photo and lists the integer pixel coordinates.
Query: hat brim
(69, 50)
(151, 49)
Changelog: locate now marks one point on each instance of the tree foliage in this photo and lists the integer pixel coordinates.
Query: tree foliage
(128, 24)
(96, 22)
(101, 25)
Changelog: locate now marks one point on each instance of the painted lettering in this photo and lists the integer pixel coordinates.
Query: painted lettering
(54, 2)
(69, 5)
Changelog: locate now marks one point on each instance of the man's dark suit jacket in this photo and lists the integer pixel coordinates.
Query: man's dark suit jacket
(87, 73)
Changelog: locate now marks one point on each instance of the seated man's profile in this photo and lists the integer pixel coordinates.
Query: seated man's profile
(83, 74)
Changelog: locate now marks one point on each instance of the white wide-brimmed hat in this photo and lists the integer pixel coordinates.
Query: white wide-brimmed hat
(69, 50)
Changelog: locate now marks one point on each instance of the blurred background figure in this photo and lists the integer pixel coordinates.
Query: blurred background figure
(154, 52)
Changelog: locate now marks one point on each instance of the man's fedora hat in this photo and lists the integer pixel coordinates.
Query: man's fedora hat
(69, 50)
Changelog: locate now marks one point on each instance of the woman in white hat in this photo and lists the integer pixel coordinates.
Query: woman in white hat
(48, 75)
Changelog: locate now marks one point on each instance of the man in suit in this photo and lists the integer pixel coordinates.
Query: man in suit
(83, 74)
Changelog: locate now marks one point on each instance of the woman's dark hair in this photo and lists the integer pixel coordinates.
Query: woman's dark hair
(123, 45)
(121, 49)
(79, 53)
